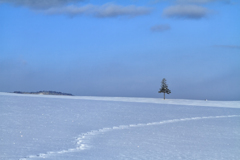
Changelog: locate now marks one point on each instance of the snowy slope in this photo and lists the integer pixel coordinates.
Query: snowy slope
(225, 104)
(62, 127)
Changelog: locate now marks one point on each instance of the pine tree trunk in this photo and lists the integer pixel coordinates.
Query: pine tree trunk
(164, 95)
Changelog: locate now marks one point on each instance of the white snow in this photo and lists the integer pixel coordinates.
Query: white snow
(225, 104)
(104, 128)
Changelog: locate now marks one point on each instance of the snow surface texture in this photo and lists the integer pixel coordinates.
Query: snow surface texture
(61, 127)
(228, 104)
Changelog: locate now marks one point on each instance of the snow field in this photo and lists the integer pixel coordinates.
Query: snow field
(60, 128)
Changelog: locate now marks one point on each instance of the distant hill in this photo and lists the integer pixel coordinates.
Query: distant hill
(44, 93)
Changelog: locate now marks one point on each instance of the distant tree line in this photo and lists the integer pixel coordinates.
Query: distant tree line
(44, 93)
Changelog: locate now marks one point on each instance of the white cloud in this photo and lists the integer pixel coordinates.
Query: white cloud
(111, 10)
(186, 11)
(195, 1)
(202, 1)
(70, 10)
(39, 4)
(106, 10)
(67, 7)
(160, 28)
(192, 1)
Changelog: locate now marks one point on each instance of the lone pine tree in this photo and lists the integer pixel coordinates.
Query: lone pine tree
(164, 88)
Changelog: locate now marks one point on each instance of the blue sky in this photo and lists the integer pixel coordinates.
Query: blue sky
(121, 47)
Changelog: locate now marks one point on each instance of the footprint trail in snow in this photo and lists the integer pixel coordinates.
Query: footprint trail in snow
(82, 139)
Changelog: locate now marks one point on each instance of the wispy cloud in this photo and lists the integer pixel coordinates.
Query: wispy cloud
(228, 46)
(160, 28)
(111, 10)
(186, 12)
(192, 1)
(71, 8)
(102, 11)
(189, 9)
(40, 4)
(202, 1)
